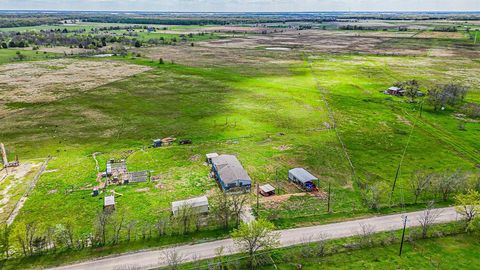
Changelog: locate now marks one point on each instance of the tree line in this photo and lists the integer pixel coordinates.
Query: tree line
(114, 227)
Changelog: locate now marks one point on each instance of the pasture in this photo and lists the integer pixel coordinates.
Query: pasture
(317, 106)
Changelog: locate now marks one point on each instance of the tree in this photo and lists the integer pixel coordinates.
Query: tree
(420, 183)
(448, 94)
(103, 219)
(160, 61)
(411, 88)
(5, 241)
(238, 202)
(428, 218)
(19, 56)
(138, 44)
(448, 183)
(468, 205)
(183, 218)
(254, 236)
(173, 258)
(221, 208)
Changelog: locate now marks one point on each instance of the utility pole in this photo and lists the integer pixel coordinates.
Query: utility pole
(257, 198)
(403, 234)
(329, 192)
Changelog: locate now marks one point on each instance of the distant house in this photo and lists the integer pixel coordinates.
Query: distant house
(230, 173)
(266, 190)
(135, 177)
(303, 178)
(395, 91)
(199, 205)
(109, 203)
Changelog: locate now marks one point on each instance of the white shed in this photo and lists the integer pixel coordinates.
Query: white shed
(198, 204)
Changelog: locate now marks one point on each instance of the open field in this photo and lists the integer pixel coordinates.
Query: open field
(311, 98)
(440, 253)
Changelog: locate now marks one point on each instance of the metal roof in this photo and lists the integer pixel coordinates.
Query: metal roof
(394, 88)
(230, 169)
(211, 155)
(267, 188)
(193, 202)
(302, 175)
(109, 200)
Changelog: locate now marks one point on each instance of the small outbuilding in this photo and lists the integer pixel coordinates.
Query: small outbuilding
(395, 91)
(109, 203)
(199, 205)
(266, 190)
(157, 143)
(303, 178)
(210, 156)
(230, 173)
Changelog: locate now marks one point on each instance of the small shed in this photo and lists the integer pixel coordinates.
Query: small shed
(109, 203)
(395, 91)
(199, 205)
(303, 178)
(210, 156)
(267, 190)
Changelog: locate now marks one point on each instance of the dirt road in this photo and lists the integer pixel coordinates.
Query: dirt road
(156, 258)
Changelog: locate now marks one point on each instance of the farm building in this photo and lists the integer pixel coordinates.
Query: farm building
(230, 173)
(394, 91)
(135, 177)
(116, 168)
(210, 156)
(109, 203)
(266, 190)
(303, 178)
(199, 205)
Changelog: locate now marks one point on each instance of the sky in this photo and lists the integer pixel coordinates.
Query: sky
(243, 5)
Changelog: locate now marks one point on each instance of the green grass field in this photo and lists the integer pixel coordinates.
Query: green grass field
(452, 252)
(271, 114)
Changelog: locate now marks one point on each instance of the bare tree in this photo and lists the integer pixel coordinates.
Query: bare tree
(238, 202)
(419, 183)
(221, 208)
(428, 218)
(172, 258)
(183, 218)
(117, 225)
(103, 219)
(130, 227)
(366, 234)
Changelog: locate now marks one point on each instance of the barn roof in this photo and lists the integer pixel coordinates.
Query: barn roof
(302, 175)
(193, 202)
(230, 169)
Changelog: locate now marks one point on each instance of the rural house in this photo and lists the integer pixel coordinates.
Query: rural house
(303, 178)
(199, 205)
(230, 173)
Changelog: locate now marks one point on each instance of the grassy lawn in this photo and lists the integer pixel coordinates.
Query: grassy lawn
(452, 252)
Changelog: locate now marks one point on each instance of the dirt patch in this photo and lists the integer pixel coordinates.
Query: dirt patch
(143, 189)
(49, 80)
(273, 202)
(283, 148)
